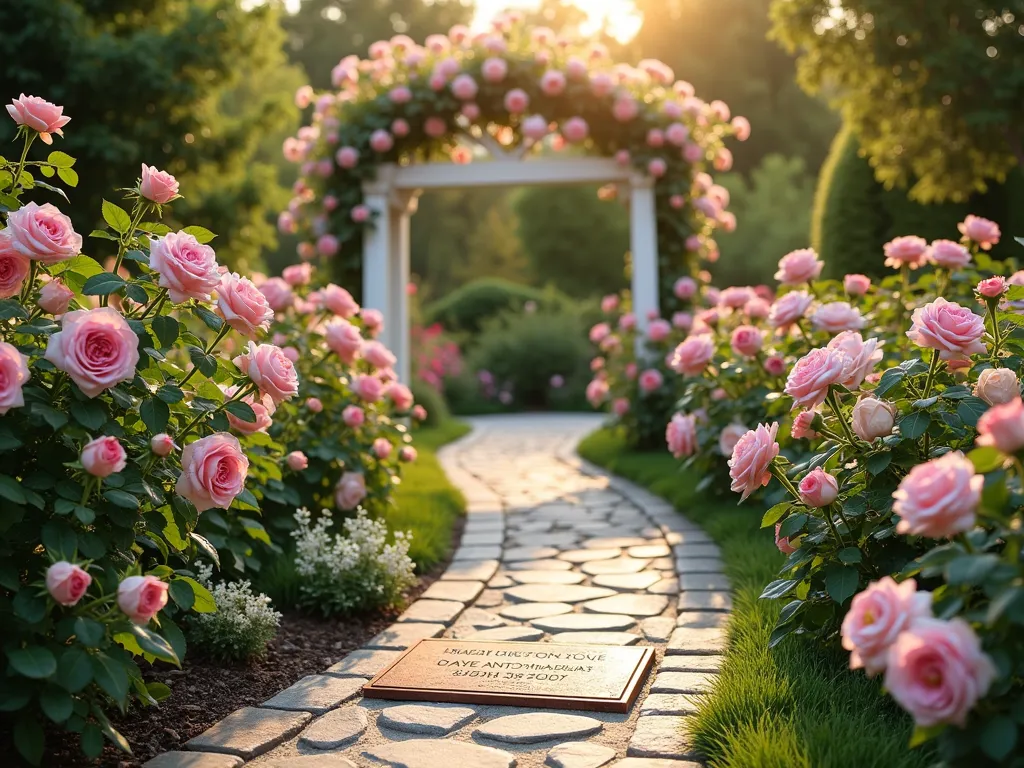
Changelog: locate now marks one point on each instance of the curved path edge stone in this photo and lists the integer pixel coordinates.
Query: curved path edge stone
(548, 537)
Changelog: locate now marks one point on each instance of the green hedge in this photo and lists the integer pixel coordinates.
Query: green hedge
(854, 215)
(465, 310)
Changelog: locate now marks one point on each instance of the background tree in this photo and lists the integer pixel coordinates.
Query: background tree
(933, 90)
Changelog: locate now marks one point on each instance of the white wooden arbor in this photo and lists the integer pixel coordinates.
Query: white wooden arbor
(393, 195)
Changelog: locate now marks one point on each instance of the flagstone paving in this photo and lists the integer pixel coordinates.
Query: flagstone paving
(554, 550)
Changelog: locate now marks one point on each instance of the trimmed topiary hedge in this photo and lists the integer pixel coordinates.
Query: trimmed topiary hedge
(465, 309)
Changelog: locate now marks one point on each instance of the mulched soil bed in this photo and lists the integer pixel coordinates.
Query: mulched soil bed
(206, 691)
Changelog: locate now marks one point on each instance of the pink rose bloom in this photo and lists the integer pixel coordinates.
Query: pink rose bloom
(534, 127)
(873, 418)
(599, 333)
(837, 316)
(864, 356)
(751, 458)
(746, 341)
(693, 355)
(609, 303)
(314, 404)
(435, 127)
(270, 370)
(297, 274)
(339, 301)
(797, 267)
(400, 95)
(876, 618)
(597, 392)
(631, 371)
(782, 543)
(162, 444)
(381, 141)
(67, 583)
(296, 461)
(597, 364)
(728, 438)
(373, 321)
(347, 157)
(470, 111)
(343, 339)
(976, 229)
(360, 214)
(741, 128)
(910, 250)
(1002, 426)
(650, 380)
(55, 297)
(992, 288)
(802, 425)
(655, 138)
(809, 380)
(622, 157)
(350, 490)
(141, 598)
(39, 115)
(400, 395)
(625, 109)
(682, 320)
(997, 386)
(494, 70)
(659, 330)
(263, 407)
(382, 448)
(278, 294)
(400, 128)
(685, 288)
(693, 153)
(419, 413)
(681, 435)
(677, 134)
(353, 416)
(516, 101)
(946, 326)
(159, 187)
(735, 296)
(789, 309)
(620, 406)
(937, 499)
(627, 322)
(552, 82)
(41, 233)
(657, 167)
(575, 130)
(818, 488)
(856, 285)
(213, 471)
(775, 365)
(96, 347)
(14, 268)
(103, 457)
(407, 454)
(377, 355)
(937, 671)
(187, 268)
(601, 84)
(14, 372)
(368, 388)
(946, 253)
(327, 245)
(244, 306)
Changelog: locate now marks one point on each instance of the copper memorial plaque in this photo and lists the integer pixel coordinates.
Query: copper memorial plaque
(594, 677)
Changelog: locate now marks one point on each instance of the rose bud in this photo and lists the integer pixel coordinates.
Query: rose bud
(162, 444)
(818, 488)
(297, 461)
(872, 418)
(103, 457)
(55, 297)
(158, 186)
(997, 386)
(67, 582)
(141, 597)
(407, 454)
(314, 404)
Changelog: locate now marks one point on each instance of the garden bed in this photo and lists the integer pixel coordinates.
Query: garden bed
(793, 706)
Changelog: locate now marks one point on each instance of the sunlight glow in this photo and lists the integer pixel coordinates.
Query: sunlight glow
(619, 18)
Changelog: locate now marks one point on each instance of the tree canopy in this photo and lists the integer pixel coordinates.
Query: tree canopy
(934, 90)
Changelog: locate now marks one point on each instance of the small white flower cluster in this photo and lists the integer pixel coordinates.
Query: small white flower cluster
(358, 571)
(243, 624)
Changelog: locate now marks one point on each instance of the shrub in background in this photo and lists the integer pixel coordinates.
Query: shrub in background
(465, 310)
(241, 627)
(433, 402)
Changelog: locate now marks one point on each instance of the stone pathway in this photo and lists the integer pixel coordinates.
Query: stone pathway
(553, 550)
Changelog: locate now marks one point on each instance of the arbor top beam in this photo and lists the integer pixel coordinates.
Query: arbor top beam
(499, 173)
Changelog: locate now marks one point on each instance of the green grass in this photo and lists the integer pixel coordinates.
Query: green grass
(794, 706)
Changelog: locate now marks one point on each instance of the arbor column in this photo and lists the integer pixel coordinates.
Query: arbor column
(378, 250)
(643, 224)
(398, 333)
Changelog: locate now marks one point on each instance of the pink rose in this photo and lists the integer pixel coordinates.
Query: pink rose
(729, 437)
(534, 127)
(650, 380)
(837, 316)
(381, 141)
(14, 372)
(213, 471)
(757, 308)
(677, 134)
(162, 444)
(141, 598)
(741, 128)
(66, 582)
(864, 356)
(516, 101)
(946, 326)
(377, 355)
(407, 454)
(938, 498)
(597, 392)
(575, 130)
(735, 296)
(621, 406)
(39, 115)
(296, 461)
(997, 386)
(353, 416)
(347, 157)
(343, 339)
(751, 459)
(187, 268)
(373, 321)
(464, 88)
(937, 671)
(350, 490)
(278, 294)
(552, 82)
(270, 370)
(657, 167)
(55, 297)
(658, 330)
(609, 303)
(326, 245)
(382, 448)
(314, 404)
(41, 233)
(103, 457)
(158, 186)
(693, 355)
(627, 322)
(783, 544)
(976, 229)
(809, 380)
(367, 388)
(96, 347)
(910, 250)
(789, 309)
(14, 268)
(685, 288)
(681, 435)
(682, 320)
(775, 365)
(401, 396)
(242, 305)
(802, 266)
(1002, 426)
(263, 408)
(802, 428)
(298, 274)
(625, 109)
(419, 413)
(856, 285)
(876, 618)
(746, 341)
(946, 253)
(599, 333)
(873, 418)
(818, 488)
(339, 301)
(494, 70)
(992, 288)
